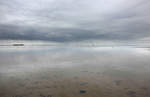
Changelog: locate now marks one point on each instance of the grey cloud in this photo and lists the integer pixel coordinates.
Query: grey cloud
(55, 34)
(74, 20)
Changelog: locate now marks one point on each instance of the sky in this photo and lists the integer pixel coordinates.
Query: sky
(75, 20)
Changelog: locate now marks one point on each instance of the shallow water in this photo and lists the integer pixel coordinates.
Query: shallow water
(34, 71)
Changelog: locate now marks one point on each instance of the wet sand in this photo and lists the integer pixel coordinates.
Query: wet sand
(74, 72)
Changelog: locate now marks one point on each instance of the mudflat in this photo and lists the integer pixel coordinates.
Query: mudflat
(74, 72)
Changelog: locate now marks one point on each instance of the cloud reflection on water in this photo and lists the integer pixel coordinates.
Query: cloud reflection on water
(21, 59)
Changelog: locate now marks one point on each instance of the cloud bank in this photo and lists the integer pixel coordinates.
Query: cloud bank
(75, 20)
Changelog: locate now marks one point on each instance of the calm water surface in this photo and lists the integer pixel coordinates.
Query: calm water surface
(34, 71)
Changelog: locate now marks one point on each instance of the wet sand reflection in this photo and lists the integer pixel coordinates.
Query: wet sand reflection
(75, 72)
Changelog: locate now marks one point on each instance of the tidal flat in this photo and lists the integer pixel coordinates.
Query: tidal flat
(51, 71)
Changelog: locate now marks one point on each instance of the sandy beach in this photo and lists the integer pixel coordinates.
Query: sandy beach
(74, 72)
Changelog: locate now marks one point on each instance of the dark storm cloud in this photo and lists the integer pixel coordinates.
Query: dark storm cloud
(66, 34)
(74, 20)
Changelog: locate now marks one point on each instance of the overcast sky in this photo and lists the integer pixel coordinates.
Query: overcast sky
(75, 20)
